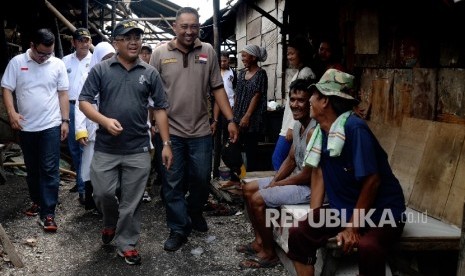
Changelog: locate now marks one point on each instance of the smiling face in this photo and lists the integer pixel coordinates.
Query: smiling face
(248, 59)
(128, 45)
(299, 104)
(293, 57)
(316, 104)
(187, 29)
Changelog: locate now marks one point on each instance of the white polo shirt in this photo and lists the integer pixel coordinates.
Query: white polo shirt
(36, 87)
(76, 70)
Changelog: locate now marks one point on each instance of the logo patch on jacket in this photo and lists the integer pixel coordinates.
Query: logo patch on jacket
(202, 58)
(169, 60)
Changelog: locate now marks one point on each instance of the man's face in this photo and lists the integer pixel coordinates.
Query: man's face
(299, 104)
(82, 46)
(145, 55)
(41, 53)
(128, 45)
(316, 104)
(187, 29)
(224, 63)
(324, 52)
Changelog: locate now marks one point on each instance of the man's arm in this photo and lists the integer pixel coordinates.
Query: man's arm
(222, 100)
(317, 187)
(63, 99)
(162, 122)
(350, 236)
(14, 117)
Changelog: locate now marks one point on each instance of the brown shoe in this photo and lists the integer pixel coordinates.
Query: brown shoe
(33, 210)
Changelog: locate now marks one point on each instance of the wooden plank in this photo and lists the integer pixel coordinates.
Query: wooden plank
(400, 105)
(408, 152)
(451, 93)
(386, 135)
(424, 94)
(453, 212)
(437, 168)
(366, 32)
(9, 248)
(380, 99)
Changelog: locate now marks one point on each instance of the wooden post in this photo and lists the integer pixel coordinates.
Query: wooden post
(461, 259)
(10, 249)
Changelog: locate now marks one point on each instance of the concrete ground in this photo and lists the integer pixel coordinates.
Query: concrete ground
(76, 248)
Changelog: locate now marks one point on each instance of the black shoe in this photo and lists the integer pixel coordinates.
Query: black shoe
(174, 241)
(198, 222)
(82, 199)
(74, 189)
(107, 235)
(131, 257)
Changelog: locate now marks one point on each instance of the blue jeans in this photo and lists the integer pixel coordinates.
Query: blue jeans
(41, 151)
(75, 149)
(190, 172)
(281, 151)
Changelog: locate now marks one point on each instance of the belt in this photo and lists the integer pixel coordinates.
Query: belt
(72, 101)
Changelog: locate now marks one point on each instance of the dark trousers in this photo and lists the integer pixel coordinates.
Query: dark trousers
(41, 151)
(373, 246)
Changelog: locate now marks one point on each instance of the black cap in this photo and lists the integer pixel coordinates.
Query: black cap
(124, 27)
(80, 33)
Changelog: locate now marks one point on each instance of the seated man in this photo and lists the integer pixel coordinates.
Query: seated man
(366, 202)
(290, 185)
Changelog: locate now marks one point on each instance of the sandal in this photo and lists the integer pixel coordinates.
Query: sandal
(257, 262)
(246, 249)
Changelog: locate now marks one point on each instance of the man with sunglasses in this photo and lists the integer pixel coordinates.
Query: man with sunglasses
(77, 66)
(40, 83)
(126, 87)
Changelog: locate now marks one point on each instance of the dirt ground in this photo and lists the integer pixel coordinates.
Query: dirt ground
(76, 248)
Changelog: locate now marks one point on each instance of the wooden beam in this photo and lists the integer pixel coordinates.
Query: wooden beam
(10, 249)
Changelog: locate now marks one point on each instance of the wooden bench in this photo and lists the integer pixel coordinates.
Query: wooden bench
(428, 158)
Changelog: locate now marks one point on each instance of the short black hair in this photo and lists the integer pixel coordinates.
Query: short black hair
(43, 36)
(300, 85)
(187, 10)
(224, 54)
(304, 48)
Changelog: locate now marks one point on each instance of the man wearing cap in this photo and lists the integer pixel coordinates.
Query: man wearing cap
(125, 86)
(77, 66)
(189, 69)
(352, 168)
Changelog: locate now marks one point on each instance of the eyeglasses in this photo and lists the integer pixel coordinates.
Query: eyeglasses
(128, 38)
(42, 54)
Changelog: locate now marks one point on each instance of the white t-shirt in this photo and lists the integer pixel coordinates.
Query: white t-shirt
(228, 78)
(288, 119)
(36, 87)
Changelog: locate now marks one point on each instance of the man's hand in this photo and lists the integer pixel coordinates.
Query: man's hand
(113, 127)
(64, 131)
(83, 141)
(233, 132)
(15, 120)
(167, 157)
(348, 239)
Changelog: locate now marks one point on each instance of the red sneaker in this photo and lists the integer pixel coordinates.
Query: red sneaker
(33, 210)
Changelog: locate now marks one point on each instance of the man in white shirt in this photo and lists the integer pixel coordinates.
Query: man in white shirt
(40, 83)
(77, 66)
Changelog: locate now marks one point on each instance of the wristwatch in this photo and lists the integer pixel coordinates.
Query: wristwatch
(230, 121)
(167, 143)
(65, 121)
